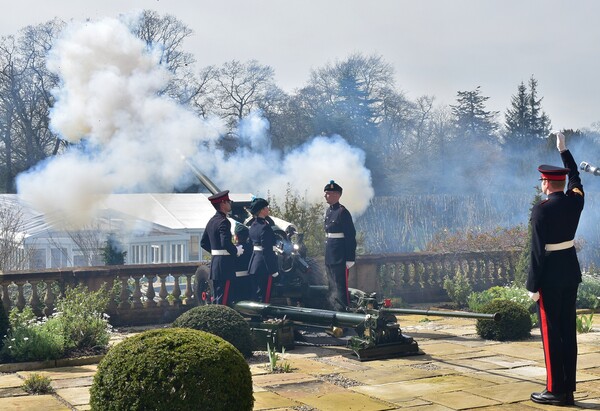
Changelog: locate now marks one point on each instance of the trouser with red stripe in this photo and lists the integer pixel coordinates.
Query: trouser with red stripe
(262, 284)
(557, 315)
(220, 291)
(338, 286)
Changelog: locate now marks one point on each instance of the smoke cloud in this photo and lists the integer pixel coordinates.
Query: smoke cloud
(127, 137)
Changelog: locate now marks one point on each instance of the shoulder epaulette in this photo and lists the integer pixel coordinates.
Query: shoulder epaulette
(577, 191)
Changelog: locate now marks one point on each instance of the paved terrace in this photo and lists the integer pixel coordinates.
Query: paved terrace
(459, 371)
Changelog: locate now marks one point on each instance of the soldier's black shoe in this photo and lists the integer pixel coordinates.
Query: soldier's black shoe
(569, 398)
(546, 397)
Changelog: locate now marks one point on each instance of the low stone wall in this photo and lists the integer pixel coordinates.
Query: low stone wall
(145, 297)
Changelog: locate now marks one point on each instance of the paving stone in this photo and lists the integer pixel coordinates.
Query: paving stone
(344, 362)
(532, 352)
(472, 341)
(349, 401)
(10, 380)
(12, 392)
(528, 372)
(508, 393)
(32, 402)
(384, 376)
(465, 365)
(64, 372)
(505, 361)
(442, 348)
(429, 407)
(308, 366)
(507, 407)
(72, 382)
(300, 391)
(268, 380)
(494, 377)
(460, 400)
(400, 391)
(75, 396)
(268, 400)
(590, 360)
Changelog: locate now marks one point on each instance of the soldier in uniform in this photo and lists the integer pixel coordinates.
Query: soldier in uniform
(242, 285)
(263, 265)
(340, 246)
(217, 241)
(554, 274)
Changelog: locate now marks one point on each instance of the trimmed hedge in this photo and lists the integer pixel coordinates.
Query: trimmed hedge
(219, 320)
(514, 324)
(172, 369)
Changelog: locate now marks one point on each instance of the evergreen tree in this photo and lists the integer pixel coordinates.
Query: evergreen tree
(517, 117)
(539, 123)
(525, 121)
(111, 252)
(472, 120)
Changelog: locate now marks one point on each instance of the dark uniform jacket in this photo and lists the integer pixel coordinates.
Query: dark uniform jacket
(217, 240)
(262, 262)
(243, 261)
(339, 250)
(554, 221)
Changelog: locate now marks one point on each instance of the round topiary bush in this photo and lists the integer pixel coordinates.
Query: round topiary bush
(219, 320)
(172, 369)
(514, 324)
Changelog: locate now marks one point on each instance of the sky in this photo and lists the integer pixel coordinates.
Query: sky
(437, 47)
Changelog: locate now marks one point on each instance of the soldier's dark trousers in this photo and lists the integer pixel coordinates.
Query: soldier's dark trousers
(338, 287)
(261, 287)
(220, 291)
(557, 315)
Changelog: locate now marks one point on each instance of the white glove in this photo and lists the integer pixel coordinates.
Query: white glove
(560, 141)
(240, 250)
(275, 274)
(534, 296)
(349, 264)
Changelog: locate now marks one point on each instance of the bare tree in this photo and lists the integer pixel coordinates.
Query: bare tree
(240, 88)
(25, 89)
(13, 254)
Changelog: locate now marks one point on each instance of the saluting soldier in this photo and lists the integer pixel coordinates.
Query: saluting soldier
(554, 274)
(216, 240)
(340, 246)
(263, 263)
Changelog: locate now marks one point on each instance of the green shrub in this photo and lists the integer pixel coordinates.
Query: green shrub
(458, 288)
(514, 324)
(172, 369)
(30, 339)
(79, 317)
(37, 384)
(588, 292)
(219, 320)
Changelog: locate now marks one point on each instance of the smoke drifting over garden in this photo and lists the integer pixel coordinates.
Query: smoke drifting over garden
(127, 137)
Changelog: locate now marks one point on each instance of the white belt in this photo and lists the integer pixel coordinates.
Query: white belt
(241, 273)
(335, 235)
(260, 248)
(220, 252)
(560, 246)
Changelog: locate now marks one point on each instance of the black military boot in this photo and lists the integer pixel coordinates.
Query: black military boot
(569, 398)
(546, 397)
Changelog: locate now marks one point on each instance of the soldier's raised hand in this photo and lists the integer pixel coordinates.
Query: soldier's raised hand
(560, 141)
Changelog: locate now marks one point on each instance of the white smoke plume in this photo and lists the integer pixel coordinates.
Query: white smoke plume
(127, 137)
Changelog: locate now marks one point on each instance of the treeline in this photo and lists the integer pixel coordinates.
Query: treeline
(412, 146)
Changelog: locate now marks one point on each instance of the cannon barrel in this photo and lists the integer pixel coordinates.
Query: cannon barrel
(303, 315)
(210, 186)
(462, 314)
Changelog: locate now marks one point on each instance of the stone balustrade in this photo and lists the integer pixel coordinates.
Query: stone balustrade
(143, 295)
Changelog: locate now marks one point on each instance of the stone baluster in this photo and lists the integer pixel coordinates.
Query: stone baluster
(49, 299)
(136, 297)
(150, 294)
(162, 302)
(34, 300)
(176, 291)
(20, 295)
(188, 290)
(124, 303)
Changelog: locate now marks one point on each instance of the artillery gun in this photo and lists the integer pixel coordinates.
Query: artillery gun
(298, 296)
